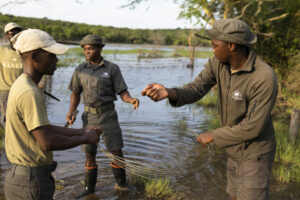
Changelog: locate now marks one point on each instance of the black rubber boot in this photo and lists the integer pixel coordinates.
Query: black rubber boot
(89, 181)
(120, 176)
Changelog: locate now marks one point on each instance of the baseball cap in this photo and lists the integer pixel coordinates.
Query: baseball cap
(232, 30)
(91, 40)
(32, 39)
(10, 26)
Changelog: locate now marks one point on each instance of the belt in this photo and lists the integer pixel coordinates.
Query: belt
(100, 109)
(33, 171)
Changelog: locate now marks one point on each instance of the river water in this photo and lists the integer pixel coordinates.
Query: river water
(156, 135)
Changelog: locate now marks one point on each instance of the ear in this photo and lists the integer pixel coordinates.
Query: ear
(33, 56)
(232, 47)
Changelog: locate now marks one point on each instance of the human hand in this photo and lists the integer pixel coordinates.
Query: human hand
(98, 129)
(70, 118)
(93, 134)
(155, 91)
(205, 138)
(135, 102)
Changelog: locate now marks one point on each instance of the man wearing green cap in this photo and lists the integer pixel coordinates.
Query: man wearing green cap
(10, 66)
(247, 90)
(30, 138)
(98, 81)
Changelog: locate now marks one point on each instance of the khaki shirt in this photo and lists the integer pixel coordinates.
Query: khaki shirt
(246, 99)
(98, 84)
(26, 111)
(11, 67)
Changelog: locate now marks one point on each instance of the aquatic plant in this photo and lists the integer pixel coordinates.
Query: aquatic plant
(182, 124)
(159, 189)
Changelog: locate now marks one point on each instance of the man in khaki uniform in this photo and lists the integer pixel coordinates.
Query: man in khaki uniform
(247, 90)
(98, 81)
(30, 139)
(10, 67)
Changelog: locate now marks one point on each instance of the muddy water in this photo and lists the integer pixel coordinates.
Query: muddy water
(156, 134)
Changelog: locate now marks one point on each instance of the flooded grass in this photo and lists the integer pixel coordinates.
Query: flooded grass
(159, 189)
(148, 53)
(156, 188)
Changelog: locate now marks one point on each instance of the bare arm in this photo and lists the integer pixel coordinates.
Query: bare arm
(74, 102)
(57, 138)
(126, 97)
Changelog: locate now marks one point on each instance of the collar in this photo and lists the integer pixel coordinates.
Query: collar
(248, 66)
(88, 65)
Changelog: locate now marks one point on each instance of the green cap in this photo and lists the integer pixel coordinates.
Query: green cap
(91, 39)
(232, 30)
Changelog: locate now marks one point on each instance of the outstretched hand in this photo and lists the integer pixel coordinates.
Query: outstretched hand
(155, 91)
(135, 102)
(205, 138)
(70, 118)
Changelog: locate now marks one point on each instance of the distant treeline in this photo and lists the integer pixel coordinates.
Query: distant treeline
(69, 31)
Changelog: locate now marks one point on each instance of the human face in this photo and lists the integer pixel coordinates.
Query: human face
(221, 50)
(12, 33)
(45, 62)
(91, 52)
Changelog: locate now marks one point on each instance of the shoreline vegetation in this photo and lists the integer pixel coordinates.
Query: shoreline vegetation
(73, 32)
(75, 55)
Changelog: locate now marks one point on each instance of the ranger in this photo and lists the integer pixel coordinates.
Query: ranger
(247, 90)
(10, 67)
(98, 81)
(30, 138)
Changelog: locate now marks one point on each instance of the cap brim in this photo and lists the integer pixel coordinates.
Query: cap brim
(211, 33)
(215, 34)
(57, 48)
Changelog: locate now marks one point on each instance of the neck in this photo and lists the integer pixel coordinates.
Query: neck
(238, 60)
(30, 71)
(96, 62)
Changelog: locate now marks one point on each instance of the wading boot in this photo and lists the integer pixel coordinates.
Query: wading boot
(90, 180)
(120, 176)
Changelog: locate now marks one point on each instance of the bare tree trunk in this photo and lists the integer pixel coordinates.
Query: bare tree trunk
(294, 125)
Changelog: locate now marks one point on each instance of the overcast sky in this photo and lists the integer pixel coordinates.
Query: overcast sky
(156, 14)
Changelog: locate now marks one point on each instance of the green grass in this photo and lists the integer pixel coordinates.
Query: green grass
(155, 188)
(287, 160)
(159, 189)
(69, 60)
(209, 100)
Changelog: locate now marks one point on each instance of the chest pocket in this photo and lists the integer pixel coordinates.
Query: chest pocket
(104, 81)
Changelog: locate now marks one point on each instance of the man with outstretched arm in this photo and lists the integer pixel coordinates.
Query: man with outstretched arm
(30, 138)
(247, 90)
(98, 81)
